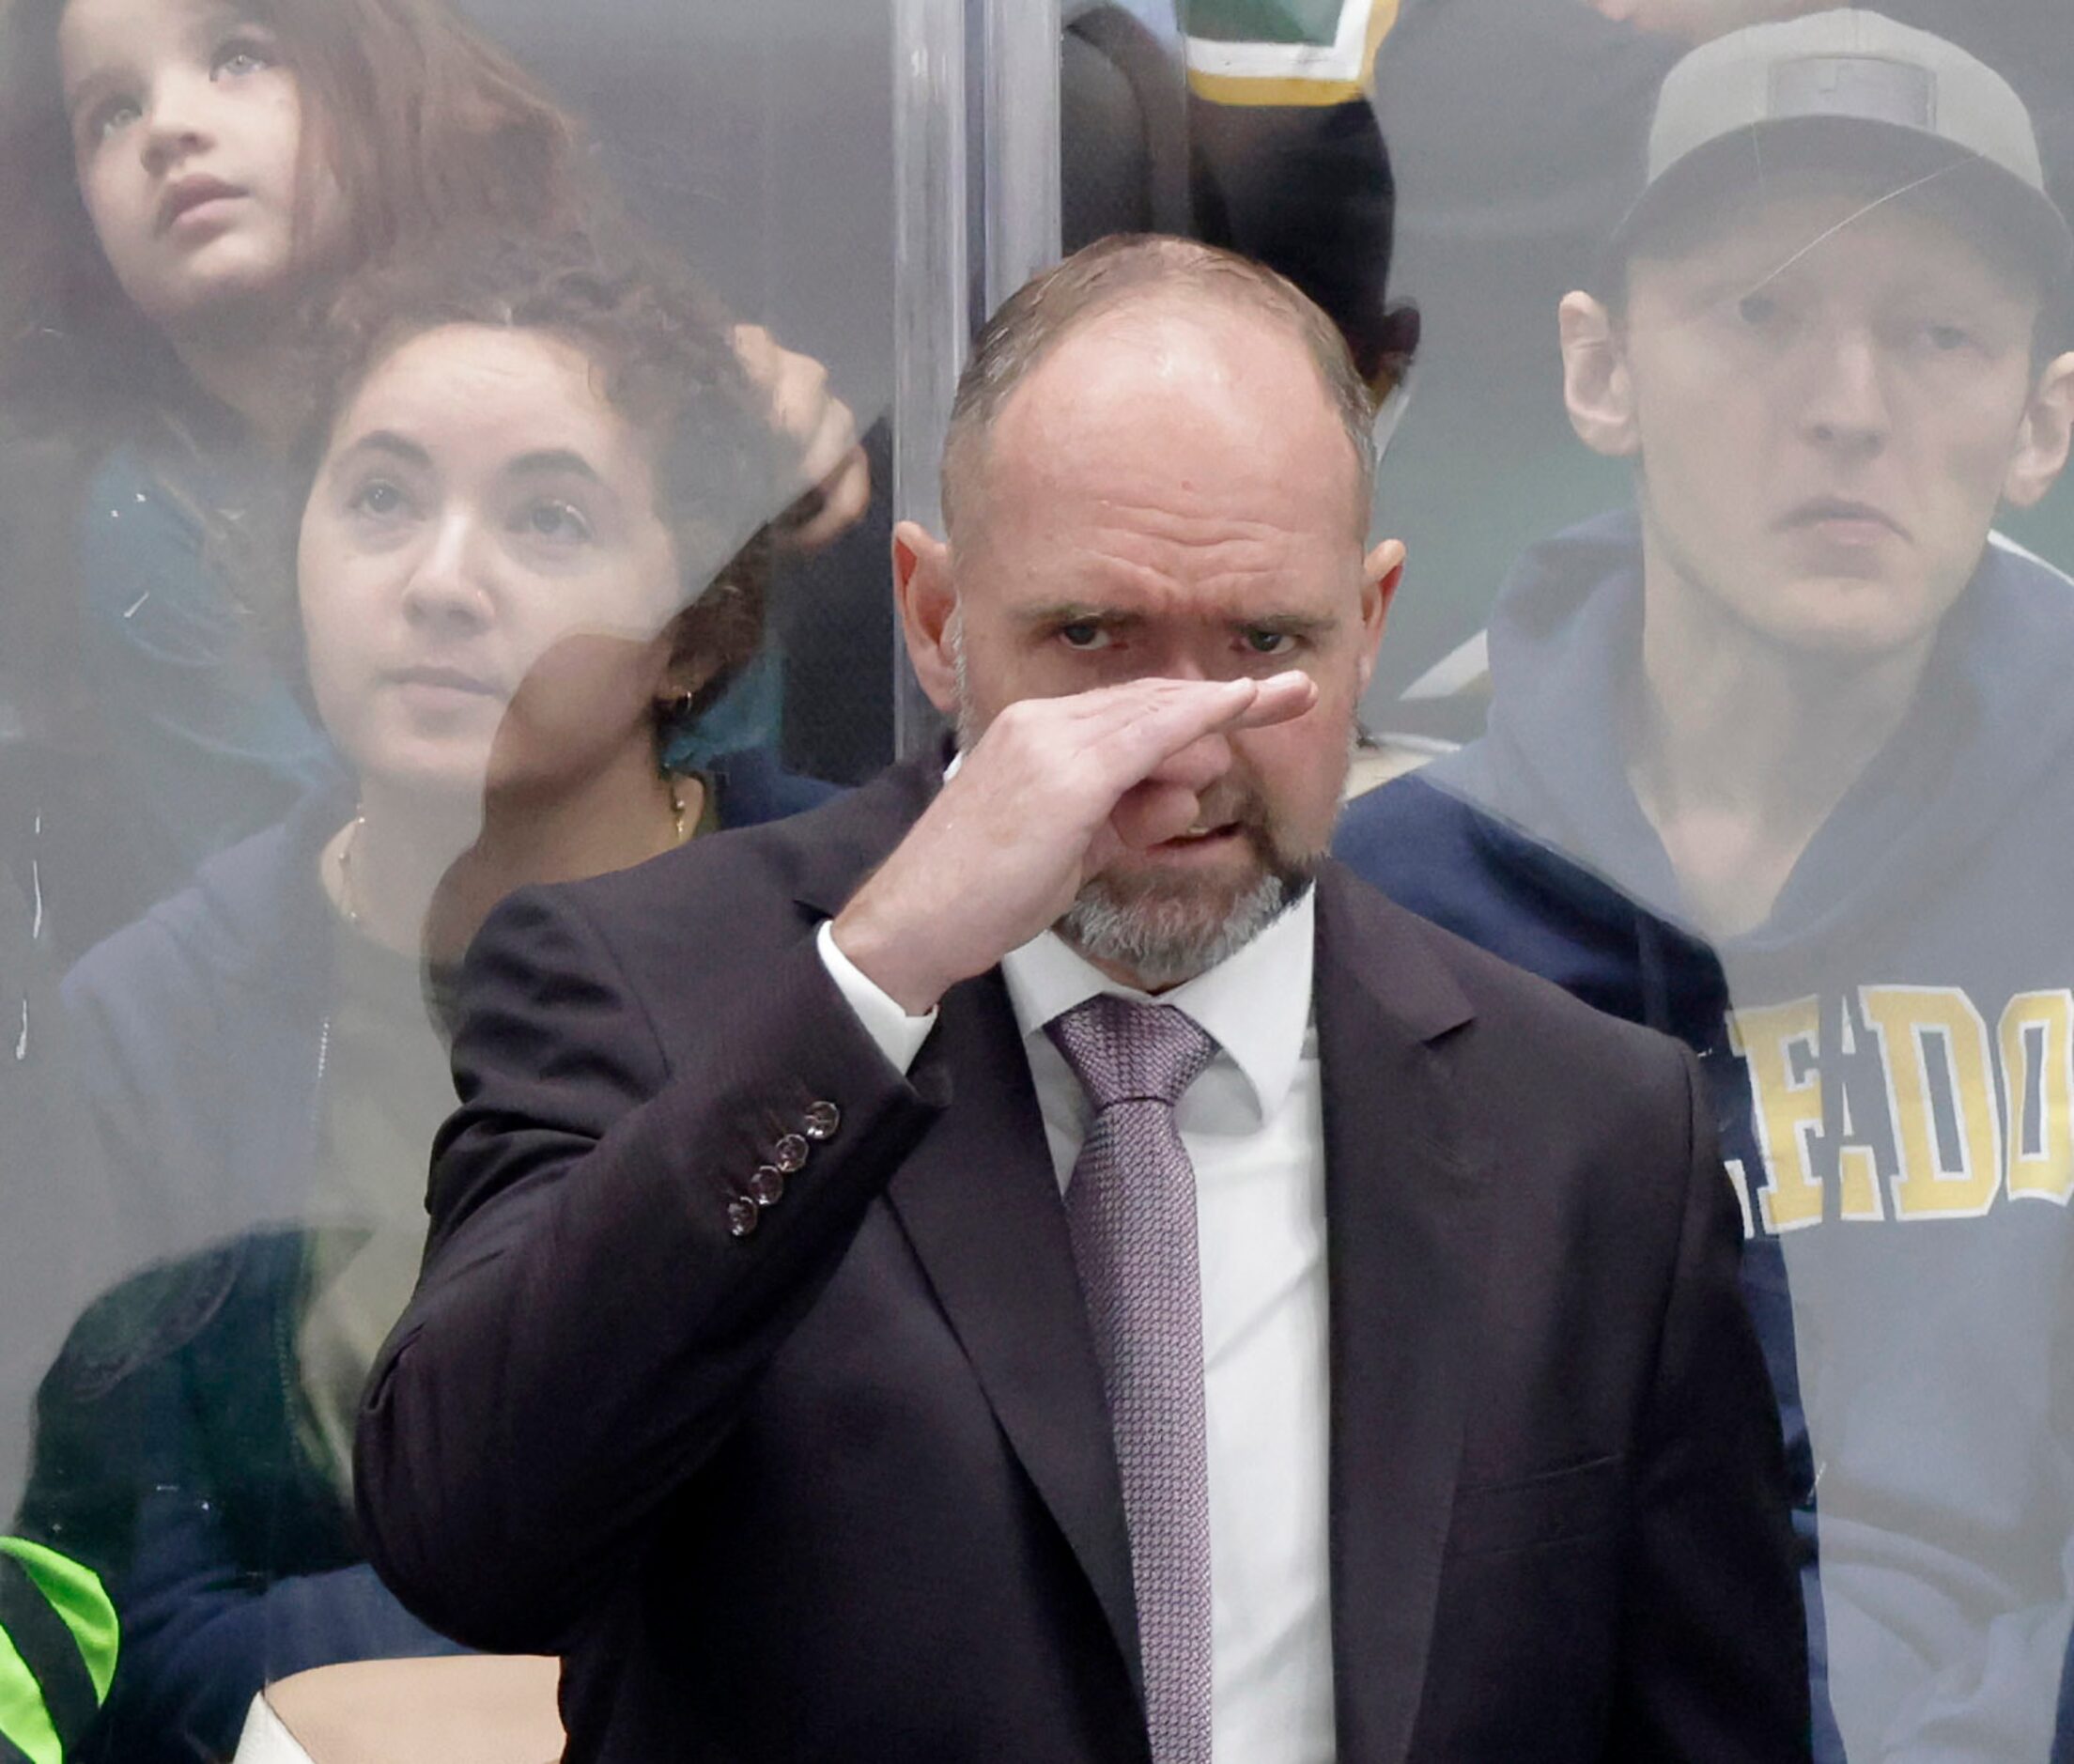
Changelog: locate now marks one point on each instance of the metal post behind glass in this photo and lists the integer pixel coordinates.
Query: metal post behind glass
(1015, 198)
(1021, 162)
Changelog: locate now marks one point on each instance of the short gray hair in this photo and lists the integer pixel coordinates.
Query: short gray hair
(1116, 272)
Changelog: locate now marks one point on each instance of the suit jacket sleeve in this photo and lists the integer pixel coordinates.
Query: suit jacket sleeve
(1715, 1650)
(587, 1325)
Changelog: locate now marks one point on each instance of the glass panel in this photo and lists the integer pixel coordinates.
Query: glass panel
(445, 451)
(441, 451)
(932, 122)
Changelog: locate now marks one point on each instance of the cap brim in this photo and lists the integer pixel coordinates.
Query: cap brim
(1741, 165)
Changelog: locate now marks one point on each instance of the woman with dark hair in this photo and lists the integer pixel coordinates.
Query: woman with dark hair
(181, 183)
(530, 555)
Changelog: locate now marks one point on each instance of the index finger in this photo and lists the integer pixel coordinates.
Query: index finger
(1146, 729)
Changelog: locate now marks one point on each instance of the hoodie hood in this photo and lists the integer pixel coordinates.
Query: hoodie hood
(1991, 729)
(254, 914)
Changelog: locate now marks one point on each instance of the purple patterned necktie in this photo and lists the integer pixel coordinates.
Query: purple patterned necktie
(1131, 1208)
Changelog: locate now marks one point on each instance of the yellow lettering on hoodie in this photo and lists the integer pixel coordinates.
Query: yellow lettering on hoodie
(1933, 1035)
(2038, 1067)
(1788, 1107)
(1857, 1167)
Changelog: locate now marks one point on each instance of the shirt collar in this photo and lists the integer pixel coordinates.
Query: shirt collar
(1256, 1004)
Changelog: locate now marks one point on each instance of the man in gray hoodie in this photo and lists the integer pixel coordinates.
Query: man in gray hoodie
(1783, 761)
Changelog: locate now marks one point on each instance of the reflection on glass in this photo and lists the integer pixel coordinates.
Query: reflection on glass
(522, 578)
(181, 184)
(310, 790)
(1776, 761)
(1773, 761)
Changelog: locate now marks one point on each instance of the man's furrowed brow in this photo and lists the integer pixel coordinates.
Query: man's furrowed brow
(1307, 624)
(1079, 613)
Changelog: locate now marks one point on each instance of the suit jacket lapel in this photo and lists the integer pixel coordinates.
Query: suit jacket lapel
(1399, 1193)
(979, 1200)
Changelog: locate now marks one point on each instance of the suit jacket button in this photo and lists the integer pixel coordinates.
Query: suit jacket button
(822, 1120)
(742, 1214)
(767, 1188)
(789, 1154)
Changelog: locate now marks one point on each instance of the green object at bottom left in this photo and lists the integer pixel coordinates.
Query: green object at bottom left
(58, 1639)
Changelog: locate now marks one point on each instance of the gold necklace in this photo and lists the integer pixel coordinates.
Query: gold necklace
(348, 901)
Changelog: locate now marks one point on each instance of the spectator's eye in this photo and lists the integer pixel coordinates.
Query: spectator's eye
(241, 55)
(1084, 634)
(555, 521)
(378, 500)
(111, 118)
(1261, 640)
(1946, 338)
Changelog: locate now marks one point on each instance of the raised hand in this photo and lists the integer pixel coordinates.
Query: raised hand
(832, 465)
(1054, 793)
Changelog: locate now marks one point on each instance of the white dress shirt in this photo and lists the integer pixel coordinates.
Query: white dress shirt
(1253, 1127)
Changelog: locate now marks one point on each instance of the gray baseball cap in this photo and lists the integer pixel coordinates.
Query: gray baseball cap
(1847, 88)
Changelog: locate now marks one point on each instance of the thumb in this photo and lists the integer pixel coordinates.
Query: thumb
(1104, 849)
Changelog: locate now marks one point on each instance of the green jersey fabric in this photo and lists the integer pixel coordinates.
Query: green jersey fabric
(1283, 52)
(1313, 22)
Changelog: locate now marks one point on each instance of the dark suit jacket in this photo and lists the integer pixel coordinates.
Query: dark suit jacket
(845, 1488)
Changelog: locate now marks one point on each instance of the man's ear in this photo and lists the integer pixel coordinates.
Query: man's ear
(1383, 573)
(928, 601)
(2042, 441)
(1597, 385)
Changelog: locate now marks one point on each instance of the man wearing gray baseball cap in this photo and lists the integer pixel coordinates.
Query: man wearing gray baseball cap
(1782, 761)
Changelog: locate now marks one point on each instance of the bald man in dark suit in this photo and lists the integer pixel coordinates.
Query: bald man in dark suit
(800, 1352)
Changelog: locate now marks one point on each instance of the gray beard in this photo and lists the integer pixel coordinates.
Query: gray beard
(1163, 942)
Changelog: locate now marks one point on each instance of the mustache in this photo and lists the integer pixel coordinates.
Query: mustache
(1245, 811)
(1234, 803)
